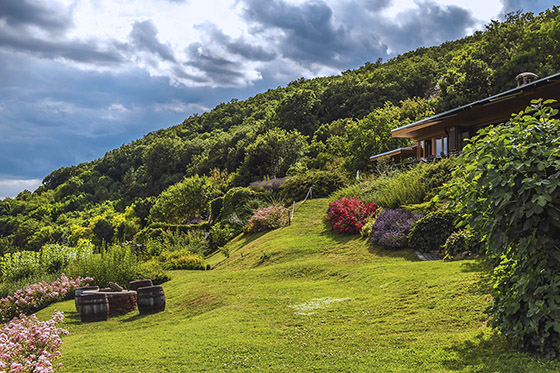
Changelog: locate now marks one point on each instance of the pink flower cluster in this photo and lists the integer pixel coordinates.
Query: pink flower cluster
(266, 218)
(29, 345)
(349, 215)
(36, 296)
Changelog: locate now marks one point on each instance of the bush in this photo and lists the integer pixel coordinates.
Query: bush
(234, 202)
(152, 269)
(268, 218)
(194, 241)
(457, 243)
(391, 228)
(215, 206)
(431, 231)
(324, 183)
(36, 296)
(182, 259)
(507, 188)
(30, 345)
(115, 264)
(349, 215)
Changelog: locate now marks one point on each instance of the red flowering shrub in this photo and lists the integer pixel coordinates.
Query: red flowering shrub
(349, 215)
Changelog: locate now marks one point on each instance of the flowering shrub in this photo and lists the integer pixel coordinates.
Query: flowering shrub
(29, 345)
(267, 218)
(36, 296)
(392, 227)
(349, 215)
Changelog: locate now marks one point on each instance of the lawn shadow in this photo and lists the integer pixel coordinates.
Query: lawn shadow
(337, 238)
(72, 318)
(489, 354)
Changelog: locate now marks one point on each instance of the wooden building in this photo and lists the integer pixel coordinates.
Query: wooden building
(445, 133)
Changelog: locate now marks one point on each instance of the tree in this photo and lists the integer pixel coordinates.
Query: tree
(186, 199)
(272, 154)
(507, 189)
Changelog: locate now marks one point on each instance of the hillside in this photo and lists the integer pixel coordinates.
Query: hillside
(303, 298)
(330, 123)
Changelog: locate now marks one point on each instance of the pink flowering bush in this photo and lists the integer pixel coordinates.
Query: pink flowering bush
(37, 296)
(349, 215)
(29, 345)
(267, 218)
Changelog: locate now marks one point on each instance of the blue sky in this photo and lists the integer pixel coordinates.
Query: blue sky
(81, 77)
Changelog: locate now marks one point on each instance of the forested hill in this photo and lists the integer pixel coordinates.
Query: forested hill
(330, 123)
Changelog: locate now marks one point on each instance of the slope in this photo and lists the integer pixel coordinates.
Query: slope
(303, 298)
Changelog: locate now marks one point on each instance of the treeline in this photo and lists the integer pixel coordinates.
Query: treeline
(332, 124)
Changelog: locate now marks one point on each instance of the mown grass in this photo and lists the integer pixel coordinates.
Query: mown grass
(305, 299)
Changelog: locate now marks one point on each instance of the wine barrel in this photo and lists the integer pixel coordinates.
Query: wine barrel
(80, 291)
(134, 285)
(151, 299)
(94, 307)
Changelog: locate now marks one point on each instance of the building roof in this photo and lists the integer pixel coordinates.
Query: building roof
(408, 130)
(409, 151)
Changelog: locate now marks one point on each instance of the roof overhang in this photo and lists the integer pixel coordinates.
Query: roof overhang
(491, 110)
(400, 153)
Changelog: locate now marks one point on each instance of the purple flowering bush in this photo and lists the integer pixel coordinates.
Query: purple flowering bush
(36, 296)
(267, 218)
(392, 227)
(30, 345)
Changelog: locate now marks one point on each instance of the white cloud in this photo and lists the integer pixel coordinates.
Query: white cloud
(180, 107)
(9, 188)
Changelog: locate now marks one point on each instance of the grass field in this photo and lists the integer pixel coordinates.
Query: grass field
(305, 299)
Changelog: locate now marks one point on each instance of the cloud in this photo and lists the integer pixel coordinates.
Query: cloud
(238, 46)
(181, 107)
(427, 24)
(534, 6)
(9, 188)
(24, 13)
(144, 37)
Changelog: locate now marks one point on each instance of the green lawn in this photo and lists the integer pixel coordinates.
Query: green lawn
(305, 299)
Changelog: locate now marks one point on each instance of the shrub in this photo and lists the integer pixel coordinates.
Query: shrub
(152, 269)
(30, 345)
(222, 233)
(39, 295)
(431, 231)
(457, 243)
(507, 188)
(349, 215)
(268, 218)
(234, 200)
(391, 228)
(215, 206)
(115, 264)
(324, 183)
(182, 259)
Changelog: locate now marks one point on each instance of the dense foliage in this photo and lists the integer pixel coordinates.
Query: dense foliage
(508, 189)
(430, 232)
(349, 215)
(323, 124)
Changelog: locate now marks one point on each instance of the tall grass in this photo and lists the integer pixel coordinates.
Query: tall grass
(398, 188)
(115, 264)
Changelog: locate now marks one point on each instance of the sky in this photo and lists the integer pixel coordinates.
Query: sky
(81, 77)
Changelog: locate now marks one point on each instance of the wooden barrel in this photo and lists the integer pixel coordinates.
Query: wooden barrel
(151, 299)
(134, 285)
(80, 291)
(120, 302)
(94, 307)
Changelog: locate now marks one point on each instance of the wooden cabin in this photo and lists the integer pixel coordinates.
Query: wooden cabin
(446, 133)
